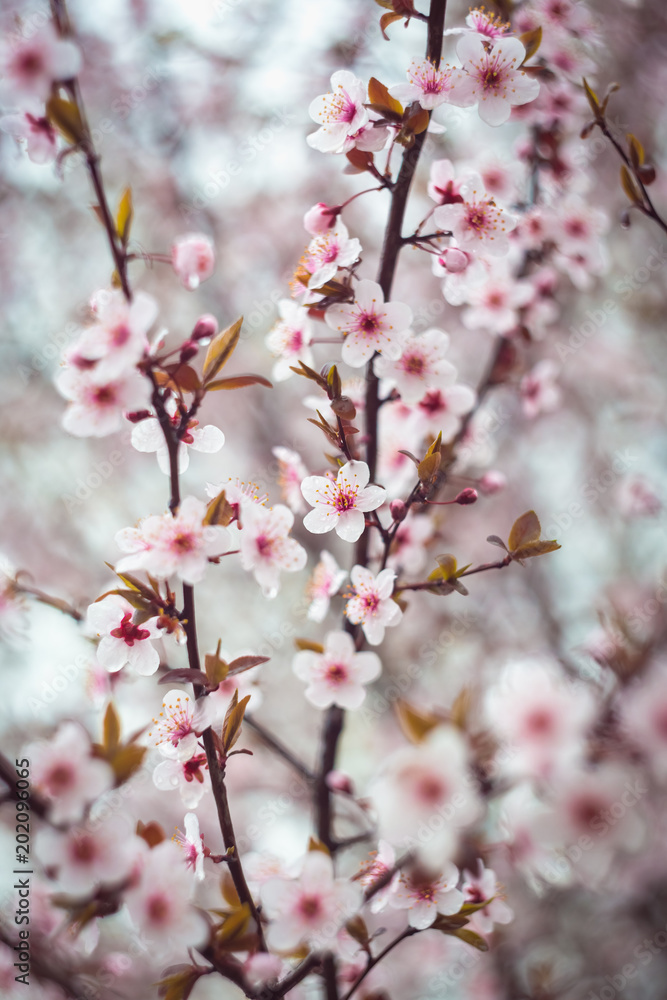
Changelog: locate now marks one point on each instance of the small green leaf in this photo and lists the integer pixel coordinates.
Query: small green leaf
(220, 349)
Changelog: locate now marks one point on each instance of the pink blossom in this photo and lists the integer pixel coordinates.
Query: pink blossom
(421, 366)
(496, 301)
(174, 733)
(147, 436)
(193, 259)
(37, 131)
(319, 218)
(409, 549)
(638, 498)
(191, 843)
(478, 887)
(477, 224)
(118, 340)
(97, 405)
(371, 604)
(442, 409)
(343, 503)
(326, 581)
(168, 544)
(159, 902)
(484, 23)
(329, 251)
(123, 641)
(442, 185)
(65, 774)
(291, 473)
(266, 549)
(383, 861)
(31, 65)
(262, 968)
(340, 113)
(453, 260)
(492, 78)
(492, 482)
(186, 776)
(425, 896)
(428, 84)
(643, 708)
(369, 324)
(289, 340)
(539, 391)
(338, 675)
(578, 225)
(310, 909)
(86, 857)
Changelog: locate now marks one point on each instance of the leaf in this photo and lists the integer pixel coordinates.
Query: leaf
(124, 216)
(310, 374)
(184, 675)
(629, 186)
(314, 647)
(238, 382)
(460, 710)
(184, 377)
(449, 924)
(471, 938)
(228, 890)
(360, 160)
(418, 122)
(178, 985)
(531, 41)
(386, 20)
(317, 845)
(334, 384)
(151, 832)
(231, 727)
(111, 729)
(428, 467)
(220, 349)
(357, 929)
(219, 511)
(474, 907)
(415, 724)
(380, 96)
(235, 925)
(592, 100)
(539, 548)
(242, 663)
(66, 118)
(636, 150)
(216, 668)
(126, 761)
(495, 540)
(525, 529)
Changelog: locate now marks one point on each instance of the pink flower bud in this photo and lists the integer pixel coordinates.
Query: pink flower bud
(319, 218)
(188, 350)
(262, 967)
(338, 781)
(492, 482)
(398, 510)
(466, 496)
(193, 259)
(454, 260)
(205, 328)
(138, 415)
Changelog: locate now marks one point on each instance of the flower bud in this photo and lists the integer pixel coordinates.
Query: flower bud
(138, 415)
(338, 781)
(205, 328)
(319, 218)
(193, 259)
(454, 260)
(344, 407)
(466, 496)
(188, 350)
(492, 482)
(398, 510)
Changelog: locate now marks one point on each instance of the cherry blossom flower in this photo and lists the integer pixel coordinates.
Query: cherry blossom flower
(292, 471)
(343, 503)
(239, 494)
(442, 185)
(320, 218)
(492, 78)
(266, 549)
(118, 340)
(326, 581)
(478, 887)
(147, 436)
(426, 896)
(421, 366)
(310, 909)
(159, 902)
(428, 84)
(371, 605)
(329, 251)
(369, 324)
(495, 302)
(578, 225)
(37, 131)
(86, 857)
(174, 732)
(340, 113)
(383, 861)
(477, 224)
(409, 547)
(122, 640)
(167, 544)
(442, 409)
(290, 338)
(97, 405)
(191, 843)
(262, 968)
(64, 773)
(338, 675)
(424, 795)
(193, 259)
(539, 391)
(643, 709)
(541, 717)
(30, 65)
(186, 776)
(638, 498)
